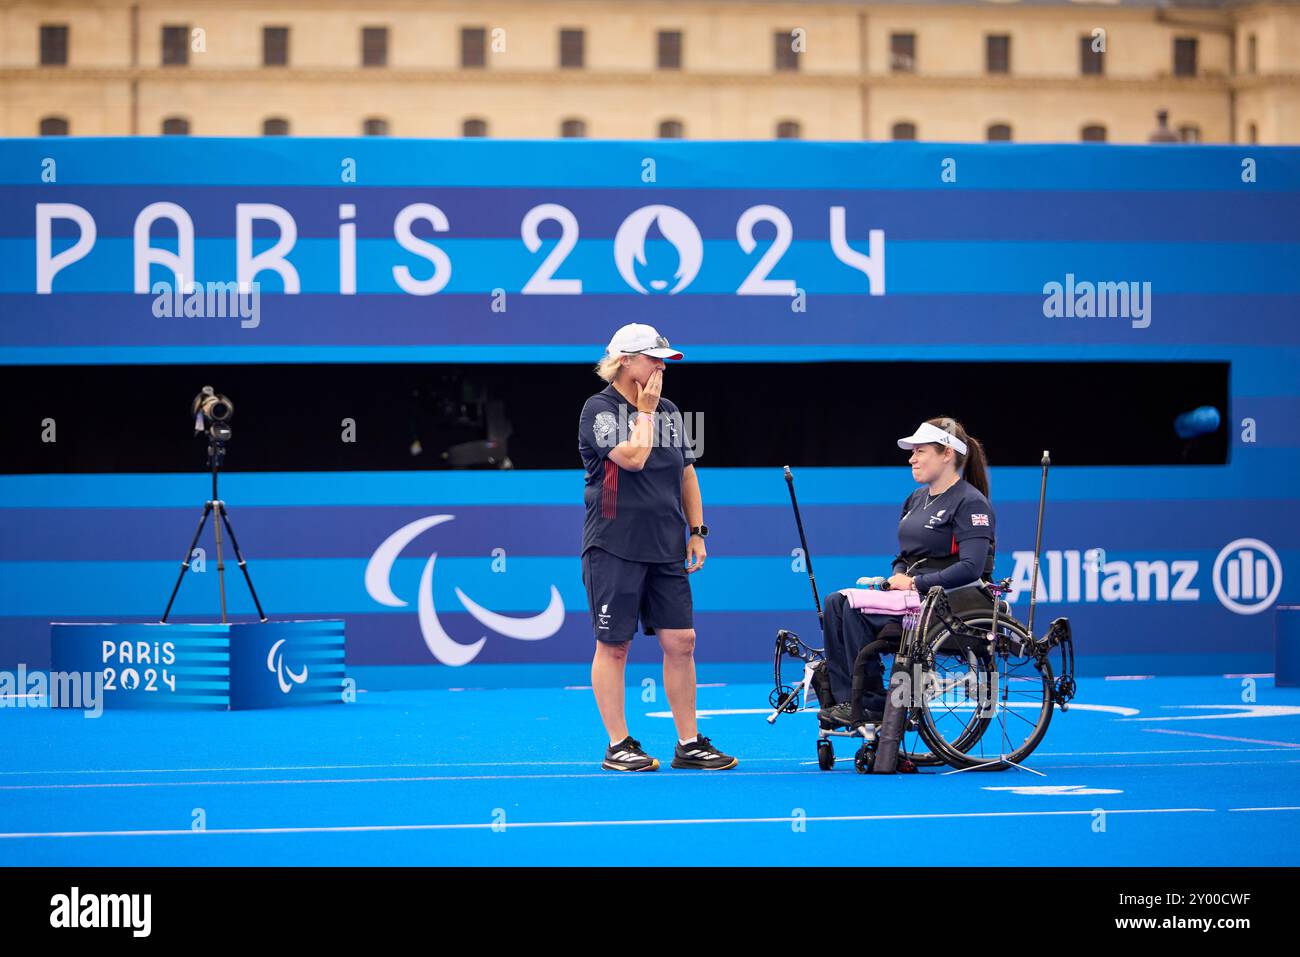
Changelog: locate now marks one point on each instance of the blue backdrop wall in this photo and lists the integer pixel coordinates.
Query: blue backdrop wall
(493, 251)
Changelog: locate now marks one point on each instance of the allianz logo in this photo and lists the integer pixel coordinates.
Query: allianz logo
(1246, 577)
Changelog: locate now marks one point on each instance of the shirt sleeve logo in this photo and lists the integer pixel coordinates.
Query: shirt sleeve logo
(604, 426)
(978, 518)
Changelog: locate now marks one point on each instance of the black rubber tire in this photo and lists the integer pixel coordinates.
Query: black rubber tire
(825, 754)
(864, 760)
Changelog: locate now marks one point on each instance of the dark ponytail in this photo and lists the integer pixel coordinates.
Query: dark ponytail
(973, 466)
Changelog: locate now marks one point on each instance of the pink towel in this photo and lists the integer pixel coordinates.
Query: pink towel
(870, 601)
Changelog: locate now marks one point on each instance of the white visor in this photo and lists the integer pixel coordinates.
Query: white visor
(926, 432)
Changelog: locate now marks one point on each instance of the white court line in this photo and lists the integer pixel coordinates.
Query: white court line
(1023, 705)
(581, 764)
(1284, 808)
(485, 825)
(607, 775)
(415, 764)
(1222, 737)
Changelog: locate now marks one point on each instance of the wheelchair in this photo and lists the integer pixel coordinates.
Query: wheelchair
(963, 667)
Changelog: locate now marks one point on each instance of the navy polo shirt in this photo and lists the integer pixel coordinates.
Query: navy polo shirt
(944, 531)
(637, 516)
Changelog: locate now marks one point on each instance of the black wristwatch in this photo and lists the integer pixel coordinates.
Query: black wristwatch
(701, 530)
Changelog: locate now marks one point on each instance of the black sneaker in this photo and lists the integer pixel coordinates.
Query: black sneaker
(701, 754)
(628, 756)
(838, 716)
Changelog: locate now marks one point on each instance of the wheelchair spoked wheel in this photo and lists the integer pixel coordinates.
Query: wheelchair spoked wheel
(946, 716)
(1004, 707)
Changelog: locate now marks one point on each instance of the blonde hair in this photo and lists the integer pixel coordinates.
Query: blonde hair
(607, 368)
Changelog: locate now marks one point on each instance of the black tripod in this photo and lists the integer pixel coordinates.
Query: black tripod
(216, 452)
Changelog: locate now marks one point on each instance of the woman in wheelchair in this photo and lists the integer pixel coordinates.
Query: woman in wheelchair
(945, 537)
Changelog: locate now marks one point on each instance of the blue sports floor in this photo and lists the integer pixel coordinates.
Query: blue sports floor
(1156, 771)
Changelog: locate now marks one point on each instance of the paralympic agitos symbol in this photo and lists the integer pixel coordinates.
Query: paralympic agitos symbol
(443, 647)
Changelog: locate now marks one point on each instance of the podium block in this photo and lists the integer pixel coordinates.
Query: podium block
(280, 664)
(148, 665)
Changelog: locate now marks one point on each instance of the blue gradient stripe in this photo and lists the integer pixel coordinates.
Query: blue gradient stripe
(396, 322)
(620, 163)
(913, 266)
(351, 531)
(758, 583)
(497, 212)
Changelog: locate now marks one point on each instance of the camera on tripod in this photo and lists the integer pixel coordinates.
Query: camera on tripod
(212, 412)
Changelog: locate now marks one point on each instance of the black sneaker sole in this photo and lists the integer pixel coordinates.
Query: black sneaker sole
(698, 766)
(614, 766)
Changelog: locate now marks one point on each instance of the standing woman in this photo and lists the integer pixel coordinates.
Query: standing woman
(642, 498)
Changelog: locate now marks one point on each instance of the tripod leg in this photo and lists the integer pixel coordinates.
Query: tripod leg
(239, 556)
(221, 565)
(185, 563)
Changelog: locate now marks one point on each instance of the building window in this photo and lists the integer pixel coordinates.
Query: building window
(671, 130)
(275, 46)
(374, 126)
(374, 46)
(998, 133)
(1252, 52)
(275, 126)
(789, 130)
(176, 45)
(784, 56)
(1184, 56)
(1252, 133)
(176, 126)
(54, 44)
(1092, 60)
(573, 129)
(1189, 133)
(997, 53)
(1093, 133)
(474, 127)
(904, 131)
(473, 48)
(572, 48)
(670, 50)
(902, 52)
(53, 126)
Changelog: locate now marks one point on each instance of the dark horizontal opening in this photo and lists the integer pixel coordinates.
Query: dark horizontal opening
(291, 417)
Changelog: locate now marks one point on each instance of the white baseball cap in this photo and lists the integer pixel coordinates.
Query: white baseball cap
(926, 432)
(638, 337)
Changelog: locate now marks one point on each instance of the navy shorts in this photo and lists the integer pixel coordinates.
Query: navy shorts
(619, 592)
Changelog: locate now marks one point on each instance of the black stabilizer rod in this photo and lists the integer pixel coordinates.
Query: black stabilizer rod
(803, 543)
(1038, 542)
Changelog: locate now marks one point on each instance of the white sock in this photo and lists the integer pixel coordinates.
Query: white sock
(690, 740)
(613, 744)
